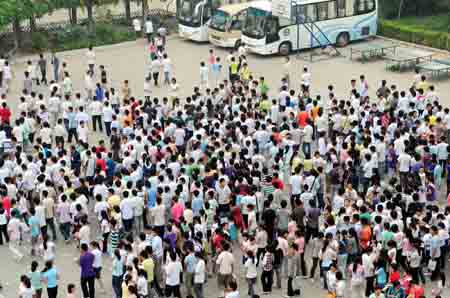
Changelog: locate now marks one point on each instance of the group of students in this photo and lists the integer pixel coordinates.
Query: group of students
(179, 189)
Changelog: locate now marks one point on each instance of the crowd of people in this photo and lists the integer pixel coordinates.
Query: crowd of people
(241, 181)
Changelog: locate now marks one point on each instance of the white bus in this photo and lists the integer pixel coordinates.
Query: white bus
(226, 24)
(194, 17)
(323, 22)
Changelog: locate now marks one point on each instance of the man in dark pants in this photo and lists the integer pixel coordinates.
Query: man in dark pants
(43, 67)
(2, 65)
(87, 272)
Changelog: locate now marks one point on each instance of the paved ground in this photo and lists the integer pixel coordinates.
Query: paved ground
(127, 61)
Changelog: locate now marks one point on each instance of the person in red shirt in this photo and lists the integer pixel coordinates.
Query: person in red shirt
(5, 114)
(395, 274)
(416, 291)
(217, 241)
(302, 118)
(100, 162)
(276, 182)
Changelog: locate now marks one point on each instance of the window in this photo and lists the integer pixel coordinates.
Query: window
(364, 6)
(322, 11)
(332, 10)
(341, 8)
(284, 22)
(349, 7)
(311, 12)
(301, 13)
(238, 20)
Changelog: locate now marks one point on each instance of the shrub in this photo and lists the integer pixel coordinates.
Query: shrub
(408, 33)
(39, 41)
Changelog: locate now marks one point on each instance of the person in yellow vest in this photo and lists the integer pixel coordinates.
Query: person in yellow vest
(234, 70)
(245, 73)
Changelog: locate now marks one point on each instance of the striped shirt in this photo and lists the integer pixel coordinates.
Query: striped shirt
(267, 188)
(268, 262)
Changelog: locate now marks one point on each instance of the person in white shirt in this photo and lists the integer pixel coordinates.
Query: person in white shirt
(137, 27)
(97, 265)
(142, 283)
(107, 113)
(90, 57)
(404, 163)
(89, 84)
(199, 275)
(173, 271)
(149, 29)
(96, 108)
(82, 132)
(306, 79)
(126, 208)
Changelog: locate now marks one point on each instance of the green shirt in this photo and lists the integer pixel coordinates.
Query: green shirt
(35, 279)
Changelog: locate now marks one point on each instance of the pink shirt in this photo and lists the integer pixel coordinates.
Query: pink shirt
(292, 228)
(301, 244)
(177, 211)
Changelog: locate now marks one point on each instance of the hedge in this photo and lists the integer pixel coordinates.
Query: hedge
(435, 39)
(77, 37)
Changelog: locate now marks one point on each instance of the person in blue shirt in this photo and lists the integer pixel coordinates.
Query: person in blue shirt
(189, 266)
(380, 271)
(110, 166)
(197, 203)
(51, 276)
(35, 229)
(99, 93)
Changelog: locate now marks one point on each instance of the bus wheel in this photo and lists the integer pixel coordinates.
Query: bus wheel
(237, 44)
(343, 39)
(285, 48)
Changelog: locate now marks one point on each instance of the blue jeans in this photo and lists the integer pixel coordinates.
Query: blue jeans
(117, 285)
(65, 230)
(306, 147)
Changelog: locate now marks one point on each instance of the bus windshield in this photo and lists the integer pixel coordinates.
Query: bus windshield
(220, 20)
(255, 23)
(190, 12)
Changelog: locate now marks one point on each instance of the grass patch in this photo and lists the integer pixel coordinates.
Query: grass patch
(440, 22)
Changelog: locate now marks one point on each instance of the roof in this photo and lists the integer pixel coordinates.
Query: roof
(237, 7)
(267, 5)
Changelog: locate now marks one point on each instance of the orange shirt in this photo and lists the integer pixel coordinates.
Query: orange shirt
(315, 113)
(365, 236)
(302, 118)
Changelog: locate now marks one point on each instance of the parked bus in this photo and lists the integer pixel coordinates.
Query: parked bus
(322, 22)
(226, 24)
(194, 17)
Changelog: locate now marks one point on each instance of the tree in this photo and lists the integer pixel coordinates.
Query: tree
(127, 4)
(13, 12)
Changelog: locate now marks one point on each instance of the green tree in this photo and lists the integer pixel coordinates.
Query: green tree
(14, 12)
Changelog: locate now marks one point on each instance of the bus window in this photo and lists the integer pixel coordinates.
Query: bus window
(322, 11)
(341, 8)
(238, 20)
(284, 22)
(349, 8)
(301, 13)
(364, 6)
(272, 29)
(332, 10)
(311, 10)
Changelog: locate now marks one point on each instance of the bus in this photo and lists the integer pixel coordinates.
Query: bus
(194, 16)
(322, 22)
(226, 24)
